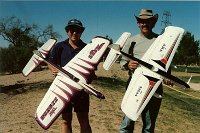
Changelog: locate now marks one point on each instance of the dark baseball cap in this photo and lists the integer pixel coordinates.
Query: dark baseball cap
(74, 23)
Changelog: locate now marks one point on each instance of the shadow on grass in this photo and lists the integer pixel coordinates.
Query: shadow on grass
(113, 83)
(22, 88)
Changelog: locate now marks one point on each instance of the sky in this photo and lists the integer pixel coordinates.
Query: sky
(102, 18)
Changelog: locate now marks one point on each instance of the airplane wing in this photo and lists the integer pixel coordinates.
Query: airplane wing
(87, 59)
(36, 60)
(145, 80)
(162, 73)
(140, 90)
(59, 95)
(72, 78)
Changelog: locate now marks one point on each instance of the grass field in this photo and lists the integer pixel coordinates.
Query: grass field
(178, 114)
(184, 73)
(20, 97)
(185, 76)
(189, 69)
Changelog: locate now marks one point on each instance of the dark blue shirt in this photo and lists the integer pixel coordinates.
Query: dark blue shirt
(63, 52)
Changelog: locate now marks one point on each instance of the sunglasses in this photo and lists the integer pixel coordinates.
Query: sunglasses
(77, 30)
(146, 21)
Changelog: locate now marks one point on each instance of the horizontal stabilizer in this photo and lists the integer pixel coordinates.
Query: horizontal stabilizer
(35, 59)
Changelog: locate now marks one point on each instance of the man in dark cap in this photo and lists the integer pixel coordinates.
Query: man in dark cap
(137, 46)
(61, 54)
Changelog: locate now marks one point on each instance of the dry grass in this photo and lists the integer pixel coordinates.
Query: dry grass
(20, 97)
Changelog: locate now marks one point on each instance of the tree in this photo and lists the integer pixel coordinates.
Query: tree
(188, 51)
(23, 38)
(18, 33)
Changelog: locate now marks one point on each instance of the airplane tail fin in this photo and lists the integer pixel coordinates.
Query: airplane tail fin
(122, 39)
(113, 55)
(189, 79)
(114, 51)
(35, 59)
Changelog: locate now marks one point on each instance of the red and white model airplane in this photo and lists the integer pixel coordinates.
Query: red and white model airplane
(71, 78)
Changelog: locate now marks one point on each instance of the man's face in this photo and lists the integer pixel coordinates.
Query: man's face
(74, 33)
(146, 26)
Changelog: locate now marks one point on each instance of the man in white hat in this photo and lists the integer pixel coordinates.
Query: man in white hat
(137, 46)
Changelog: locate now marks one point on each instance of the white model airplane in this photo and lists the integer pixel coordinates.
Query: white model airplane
(152, 70)
(71, 78)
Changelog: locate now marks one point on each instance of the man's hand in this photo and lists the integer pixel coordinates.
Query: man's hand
(132, 64)
(168, 82)
(53, 70)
